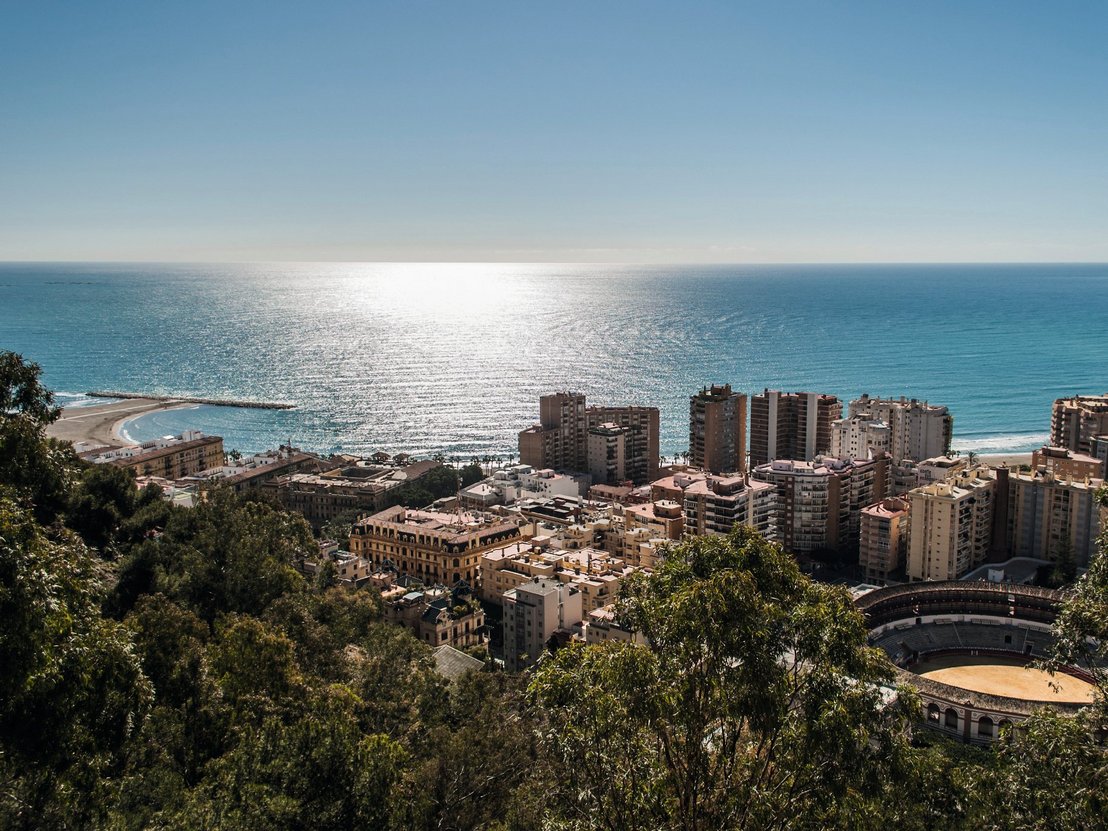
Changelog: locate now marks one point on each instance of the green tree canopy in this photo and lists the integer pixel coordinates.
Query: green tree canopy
(754, 704)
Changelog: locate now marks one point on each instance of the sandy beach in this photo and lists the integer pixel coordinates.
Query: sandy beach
(100, 425)
(1005, 459)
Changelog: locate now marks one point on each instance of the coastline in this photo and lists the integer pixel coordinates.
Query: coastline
(1005, 459)
(102, 425)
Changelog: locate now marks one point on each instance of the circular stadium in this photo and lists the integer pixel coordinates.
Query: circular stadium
(967, 648)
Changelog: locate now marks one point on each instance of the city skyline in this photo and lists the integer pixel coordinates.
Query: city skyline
(493, 132)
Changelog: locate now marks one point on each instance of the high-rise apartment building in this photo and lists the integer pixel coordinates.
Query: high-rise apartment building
(716, 504)
(951, 525)
(608, 453)
(717, 430)
(819, 503)
(560, 440)
(917, 430)
(883, 538)
(859, 437)
(791, 425)
(1050, 516)
(1076, 422)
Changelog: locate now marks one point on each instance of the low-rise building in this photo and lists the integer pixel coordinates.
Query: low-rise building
(170, 458)
(360, 487)
(437, 616)
(533, 613)
(434, 547)
(1063, 463)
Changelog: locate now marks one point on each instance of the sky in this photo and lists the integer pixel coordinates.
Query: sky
(577, 132)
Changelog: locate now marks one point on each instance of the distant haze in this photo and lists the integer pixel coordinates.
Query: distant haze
(595, 132)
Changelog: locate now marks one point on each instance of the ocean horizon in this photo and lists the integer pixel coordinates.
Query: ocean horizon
(451, 357)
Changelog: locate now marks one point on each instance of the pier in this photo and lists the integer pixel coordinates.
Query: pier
(184, 399)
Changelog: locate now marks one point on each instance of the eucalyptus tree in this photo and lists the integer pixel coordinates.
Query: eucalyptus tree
(752, 701)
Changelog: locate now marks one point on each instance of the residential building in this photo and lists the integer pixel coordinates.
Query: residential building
(360, 487)
(432, 546)
(791, 425)
(883, 539)
(717, 430)
(716, 504)
(951, 525)
(859, 437)
(170, 458)
(1064, 463)
(1076, 422)
(609, 447)
(917, 430)
(533, 613)
(561, 438)
(819, 502)
(437, 616)
(248, 473)
(1051, 517)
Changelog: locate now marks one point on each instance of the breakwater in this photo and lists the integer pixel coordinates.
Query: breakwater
(218, 402)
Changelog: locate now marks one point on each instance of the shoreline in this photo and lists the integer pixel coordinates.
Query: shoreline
(102, 425)
(1005, 459)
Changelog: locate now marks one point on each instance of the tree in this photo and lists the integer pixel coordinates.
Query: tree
(471, 474)
(755, 702)
(38, 468)
(71, 691)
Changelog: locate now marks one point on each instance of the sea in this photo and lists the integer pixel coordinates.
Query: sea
(451, 358)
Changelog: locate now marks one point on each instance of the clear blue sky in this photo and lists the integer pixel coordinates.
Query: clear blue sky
(595, 131)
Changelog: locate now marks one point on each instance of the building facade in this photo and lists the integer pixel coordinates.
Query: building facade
(793, 425)
(883, 539)
(917, 430)
(533, 612)
(1076, 422)
(819, 503)
(1051, 517)
(951, 525)
(434, 547)
(560, 441)
(716, 504)
(717, 430)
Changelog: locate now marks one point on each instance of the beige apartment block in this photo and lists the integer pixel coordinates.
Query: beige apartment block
(1064, 463)
(1049, 515)
(791, 425)
(177, 460)
(717, 504)
(717, 430)
(560, 440)
(1076, 422)
(819, 502)
(917, 430)
(433, 546)
(883, 538)
(951, 525)
(533, 612)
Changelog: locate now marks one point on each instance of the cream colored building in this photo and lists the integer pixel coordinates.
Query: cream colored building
(717, 504)
(917, 430)
(951, 525)
(432, 546)
(1048, 514)
(859, 437)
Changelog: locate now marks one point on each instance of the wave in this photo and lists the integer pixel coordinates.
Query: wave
(1004, 443)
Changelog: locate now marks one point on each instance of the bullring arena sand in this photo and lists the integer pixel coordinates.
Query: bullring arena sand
(1006, 676)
